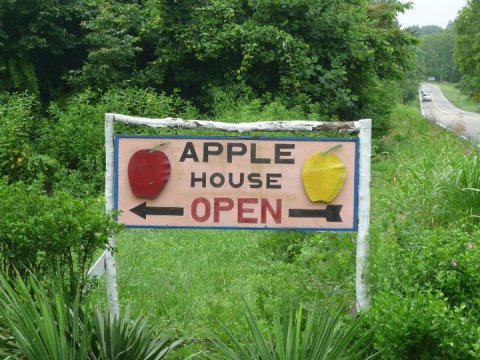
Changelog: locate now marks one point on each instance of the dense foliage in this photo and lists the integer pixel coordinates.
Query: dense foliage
(331, 53)
(334, 54)
(468, 47)
(50, 234)
(39, 41)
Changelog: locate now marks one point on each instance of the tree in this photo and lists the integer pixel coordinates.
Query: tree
(39, 41)
(425, 30)
(436, 56)
(467, 46)
(334, 53)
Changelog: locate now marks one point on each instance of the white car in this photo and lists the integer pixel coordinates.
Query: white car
(426, 96)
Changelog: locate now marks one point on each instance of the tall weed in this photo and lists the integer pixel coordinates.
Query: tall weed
(424, 260)
(16, 128)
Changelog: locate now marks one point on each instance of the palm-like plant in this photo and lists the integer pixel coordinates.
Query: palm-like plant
(120, 338)
(43, 325)
(47, 326)
(320, 335)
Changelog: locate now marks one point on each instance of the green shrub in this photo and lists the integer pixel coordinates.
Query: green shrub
(425, 292)
(16, 128)
(43, 169)
(73, 134)
(423, 325)
(424, 263)
(237, 104)
(47, 234)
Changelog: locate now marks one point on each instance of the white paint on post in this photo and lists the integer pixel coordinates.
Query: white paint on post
(361, 287)
(288, 125)
(110, 265)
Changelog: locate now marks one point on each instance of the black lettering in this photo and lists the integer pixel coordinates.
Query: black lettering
(202, 179)
(240, 180)
(189, 152)
(272, 181)
(253, 156)
(211, 148)
(255, 180)
(221, 180)
(279, 154)
(231, 152)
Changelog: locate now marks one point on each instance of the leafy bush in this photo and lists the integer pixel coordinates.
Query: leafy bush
(441, 260)
(73, 135)
(318, 335)
(423, 325)
(16, 127)
(48, 234)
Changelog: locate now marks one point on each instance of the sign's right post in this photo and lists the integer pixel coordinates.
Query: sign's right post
(361, 288)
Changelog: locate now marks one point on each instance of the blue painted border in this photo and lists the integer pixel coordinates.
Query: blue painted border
(356, 180)
(115, 174)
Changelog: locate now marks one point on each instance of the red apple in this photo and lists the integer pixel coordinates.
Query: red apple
(148, 172)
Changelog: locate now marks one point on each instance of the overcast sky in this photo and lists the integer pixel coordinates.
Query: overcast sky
(431, 12)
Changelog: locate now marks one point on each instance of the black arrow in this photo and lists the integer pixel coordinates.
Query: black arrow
(143, 210)
(331, 213)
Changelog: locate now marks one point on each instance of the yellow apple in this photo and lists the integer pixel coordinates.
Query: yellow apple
(323, 175)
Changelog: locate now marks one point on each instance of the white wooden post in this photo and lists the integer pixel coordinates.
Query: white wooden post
(361, 288)
(363, 127)
(110, 264)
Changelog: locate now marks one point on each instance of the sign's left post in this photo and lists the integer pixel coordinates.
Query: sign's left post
(110, 265)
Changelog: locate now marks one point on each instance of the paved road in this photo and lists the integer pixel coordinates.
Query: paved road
(440, 110)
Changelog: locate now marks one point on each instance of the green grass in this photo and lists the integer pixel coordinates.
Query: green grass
(194, 282)
(426, 178)
(457, 98)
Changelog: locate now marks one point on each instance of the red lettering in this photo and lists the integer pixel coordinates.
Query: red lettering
(194, 209)
(243, 210)
(247, 210)
(221, 204)
(276, 214)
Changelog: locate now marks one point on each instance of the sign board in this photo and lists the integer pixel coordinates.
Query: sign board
(236, 182)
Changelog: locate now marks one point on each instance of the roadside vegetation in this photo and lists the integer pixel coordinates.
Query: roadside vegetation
(231, 294)
(459, 99)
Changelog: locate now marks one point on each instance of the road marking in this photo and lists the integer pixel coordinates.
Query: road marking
(435, 104)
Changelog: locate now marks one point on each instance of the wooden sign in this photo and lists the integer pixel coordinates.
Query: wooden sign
(236, 182)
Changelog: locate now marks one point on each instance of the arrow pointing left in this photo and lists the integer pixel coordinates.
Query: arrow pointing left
(143, 210)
